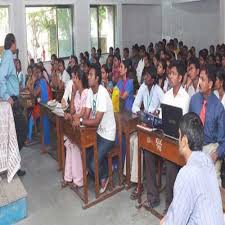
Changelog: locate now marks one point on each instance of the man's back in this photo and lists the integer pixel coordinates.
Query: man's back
(197, 197)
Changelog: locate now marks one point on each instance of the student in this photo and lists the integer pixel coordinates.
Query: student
(64, 77)
(105, 79)
(135, 56)
(21, 76)
(197, 198)
(177, 97)
(73, 166)
(192, 83)
(126, 53)
(126, 88)
(42, 92)
(116, 68)
(30, 81)
(73, 62)
(162, 79)
(93, 55)
(99, 112)
(141, 63)
(212, 114)
(220, 86)
(150, 96)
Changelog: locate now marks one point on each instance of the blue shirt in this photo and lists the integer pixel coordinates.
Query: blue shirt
(127, 86)
(214, 128)
(9, 83)
(197, 199)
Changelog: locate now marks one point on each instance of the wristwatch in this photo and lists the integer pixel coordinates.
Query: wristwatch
(81, 121)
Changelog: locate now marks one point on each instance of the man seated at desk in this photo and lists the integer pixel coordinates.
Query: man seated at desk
(197, 198)
(177, 97)
(150, 95)
(212, 114)
(99, 113)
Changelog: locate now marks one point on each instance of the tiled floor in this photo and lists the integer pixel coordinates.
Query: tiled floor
(48, 204)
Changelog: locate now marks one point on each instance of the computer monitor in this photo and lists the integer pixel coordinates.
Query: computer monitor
(171, 117)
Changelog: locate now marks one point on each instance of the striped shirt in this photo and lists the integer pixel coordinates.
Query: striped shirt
(197, 199)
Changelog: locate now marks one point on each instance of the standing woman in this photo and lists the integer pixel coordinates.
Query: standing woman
(126, 88)
(43, 94)
(9, 90)
(73, 167)
(220, 86)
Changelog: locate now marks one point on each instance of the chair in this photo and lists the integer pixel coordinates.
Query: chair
(116, 152)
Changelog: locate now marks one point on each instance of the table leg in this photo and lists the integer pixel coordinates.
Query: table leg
(41, 126)
(127, 138)
(84, 166)
(139, 171)
(60, 150)
(96, 171)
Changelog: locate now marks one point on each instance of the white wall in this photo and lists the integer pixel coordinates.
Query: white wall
(197, 23)
(141, 24)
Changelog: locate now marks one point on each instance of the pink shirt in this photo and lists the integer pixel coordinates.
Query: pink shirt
(80, 100)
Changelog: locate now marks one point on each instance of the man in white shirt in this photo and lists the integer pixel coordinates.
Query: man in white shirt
(67, 94)
(141, 63)
(99, 113)
(150, 95)
(64, 76)
(177, 97)
(192, 84)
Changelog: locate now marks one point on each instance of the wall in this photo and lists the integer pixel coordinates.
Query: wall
(141, 24)
(197, 23)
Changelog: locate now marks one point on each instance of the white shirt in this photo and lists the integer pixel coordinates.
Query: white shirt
(65, 77)
(101, 102)
(139, 70)
(223, 99)
(181, 100)
(191, 90)
(68, 91)
(151, 100)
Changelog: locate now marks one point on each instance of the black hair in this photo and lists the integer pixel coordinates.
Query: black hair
(221, 76)
(86, 53)
(164, 65)
(9, 40)
(194, 61)
(104, 66)
(62, 62)
(126, 50)
(180, 66)
(53, 57)
(191, 126)
(77, 72)
(126, 65)
(98, 73)
(210, 71)
(152, 71)
(118, 56)
(75, 58)
(142, 47)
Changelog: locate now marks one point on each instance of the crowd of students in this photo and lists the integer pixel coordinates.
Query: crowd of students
(167, 72)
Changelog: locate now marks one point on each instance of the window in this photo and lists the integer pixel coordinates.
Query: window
(102, 27)
(49, 31)
(4, 25)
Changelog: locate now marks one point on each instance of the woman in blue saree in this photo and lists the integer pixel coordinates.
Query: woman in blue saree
(42, 93)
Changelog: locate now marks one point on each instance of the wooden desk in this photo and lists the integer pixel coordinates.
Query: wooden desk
(129, 125)
(84, 137)
(160, 145)
(55, 120)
